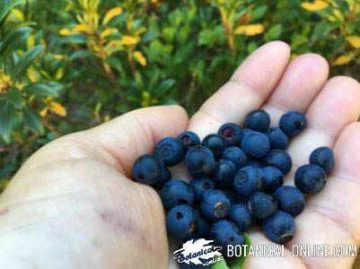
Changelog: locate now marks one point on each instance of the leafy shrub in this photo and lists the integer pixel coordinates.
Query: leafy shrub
(67, 65)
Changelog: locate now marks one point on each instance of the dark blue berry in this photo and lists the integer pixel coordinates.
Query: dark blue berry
(247, 181)
(255, 144)
(290, 200)
(278, 139)
(310, 178)
(226, 233)
(200, 161)
(280, 227)
(215, 143)
(280, 159)
(323, 157)
(272, 178)
(148, 169)
(201, 185)
(202, 228)
(181, 221)
(262, 205)
(292, 123)
(189, 139)
(236, 155)
(224, 173)
(231, 133)
(258, 120)
(241, 216)
(170, 150)
(176, 192)
(215, 205)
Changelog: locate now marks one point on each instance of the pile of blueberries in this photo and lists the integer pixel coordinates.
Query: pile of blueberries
(237, 180)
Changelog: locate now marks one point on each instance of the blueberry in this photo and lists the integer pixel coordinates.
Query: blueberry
(201, 185)
(255, 144)
(148, 169)
(189, 139)
(278, 139)
(181, 221)
(241, 216)
(258, 120)
(292, 123)
(280, 159)
(272, 178)
(247, 181)
(280, 227)
(224, 173)
(236, 155)
(290, 200)
(202, 228)
(310, 178)
(323, 157)
(262, 205)
(200, 161)
(170, 150)
(215, 143)
(231, 133)
(226, 233)
(165, 177)
(215, 205)
(176, 192)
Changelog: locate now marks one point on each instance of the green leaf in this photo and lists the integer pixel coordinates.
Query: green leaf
(164, 86)
(26, 61)
(7, 5)
(258, 13)
(239, 263)
(13, 96)
(32, 120)
(274, 32)
(44, 89)
(7, 120)
(220, 265)
(12, 40)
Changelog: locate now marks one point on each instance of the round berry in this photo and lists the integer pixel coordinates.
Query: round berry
(278, 139)
(241, 216)
(201, 185)
(148, 169)
(226, 233)
(231, 133)
(280, 159)
(280, 227)
(323, 157)
(247, 181)
(262, 205)
(290, 200)
(236, 155)
(200, 161)
(310, 178)
(170, 150)
(189, 139)
(292, 123)
(181, 221)
(258, 120)
(176, 192)
(215, 205)
(272, 178)
(224, 173)
(255, 144)
(215, 143)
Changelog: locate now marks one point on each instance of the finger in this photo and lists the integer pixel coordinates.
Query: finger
(118, 142)
(333, 216)
(301, 82)
(247, 89)
(335, 107)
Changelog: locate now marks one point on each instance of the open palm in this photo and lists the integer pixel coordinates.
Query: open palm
(73, 205)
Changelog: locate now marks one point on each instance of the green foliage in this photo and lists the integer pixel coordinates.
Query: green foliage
(70, 64)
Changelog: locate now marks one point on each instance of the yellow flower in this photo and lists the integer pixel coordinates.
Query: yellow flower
(111, 14)
(82, 28)
(57, 108)
(128, 40)
(139, 57)
(44, 112)
(250, 29)
(344, 59)
(65, 31)
(107, 32)
(5, 81)
(314, 5)
(354, 41)
(32, 74)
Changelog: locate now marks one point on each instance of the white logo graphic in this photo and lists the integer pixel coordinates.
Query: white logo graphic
(198, 252)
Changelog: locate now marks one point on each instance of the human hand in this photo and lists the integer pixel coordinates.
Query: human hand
(73, 204)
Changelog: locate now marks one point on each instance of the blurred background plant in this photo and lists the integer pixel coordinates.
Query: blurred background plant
(68, 65)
